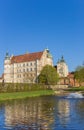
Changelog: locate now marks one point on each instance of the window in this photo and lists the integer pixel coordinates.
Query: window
(20, 70)
(27, 69)
(35, 63)
(23, 70)
(23, 65)
(31, 64)
(30, 69)
(27, 64)
(23, 75)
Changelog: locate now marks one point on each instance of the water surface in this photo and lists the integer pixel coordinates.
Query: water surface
(42, 113)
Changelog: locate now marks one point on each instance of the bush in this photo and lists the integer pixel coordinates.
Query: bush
(21, 87)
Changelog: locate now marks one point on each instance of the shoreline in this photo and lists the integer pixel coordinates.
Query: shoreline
(35, 93)
(23, 95)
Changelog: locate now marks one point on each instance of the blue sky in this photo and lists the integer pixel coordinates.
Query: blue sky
(33, 25)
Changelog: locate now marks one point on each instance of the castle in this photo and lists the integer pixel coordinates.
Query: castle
(25, 68)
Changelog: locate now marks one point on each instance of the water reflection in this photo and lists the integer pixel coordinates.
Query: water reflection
(64, 111)
(43, 113)
(31, 113)
(79, 107)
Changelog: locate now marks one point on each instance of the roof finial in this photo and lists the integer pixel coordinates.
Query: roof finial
(62, 59)
(47, 49)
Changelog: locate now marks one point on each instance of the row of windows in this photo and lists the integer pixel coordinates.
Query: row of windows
(26, 64)
(26, 70)
(25, 75)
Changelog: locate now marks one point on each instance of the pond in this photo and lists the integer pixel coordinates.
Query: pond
(42, 113)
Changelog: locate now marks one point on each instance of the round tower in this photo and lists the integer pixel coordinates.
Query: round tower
(62, 68)
(7, 68)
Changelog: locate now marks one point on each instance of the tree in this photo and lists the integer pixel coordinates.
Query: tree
(48, 75)
(79, 74)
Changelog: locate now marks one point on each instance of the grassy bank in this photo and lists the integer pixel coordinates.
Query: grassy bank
(76, 89)
(20, 95)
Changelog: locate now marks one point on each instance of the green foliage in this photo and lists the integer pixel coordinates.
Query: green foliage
(48, 75)
(21, 87)
(79, 74)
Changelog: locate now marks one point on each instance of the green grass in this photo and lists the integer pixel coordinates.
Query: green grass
(20, 95)
(76, 89)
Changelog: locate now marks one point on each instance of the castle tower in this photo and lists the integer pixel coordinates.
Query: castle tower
(62, 68)
(7, 68)
(49, 57)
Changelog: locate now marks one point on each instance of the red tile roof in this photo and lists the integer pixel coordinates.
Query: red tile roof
(71, 75)
(26, 57)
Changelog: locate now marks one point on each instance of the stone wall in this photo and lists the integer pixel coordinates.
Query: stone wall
(56, 87)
